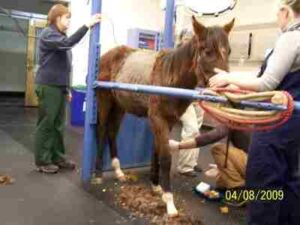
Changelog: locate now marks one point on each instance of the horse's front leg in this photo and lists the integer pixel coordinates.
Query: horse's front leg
(161, 132)
(156, 188)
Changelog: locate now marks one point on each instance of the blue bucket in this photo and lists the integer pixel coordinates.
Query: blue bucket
(77, 107)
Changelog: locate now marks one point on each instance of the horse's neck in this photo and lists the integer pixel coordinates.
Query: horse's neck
(179, 63)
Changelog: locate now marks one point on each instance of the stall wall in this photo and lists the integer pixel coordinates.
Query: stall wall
(12, 55)
(118, 17)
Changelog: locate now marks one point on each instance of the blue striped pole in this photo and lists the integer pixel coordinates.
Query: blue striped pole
(184, 93)
(168, 31)
(90, 139)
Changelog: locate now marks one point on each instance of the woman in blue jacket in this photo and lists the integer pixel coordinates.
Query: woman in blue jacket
(274, 156)
(52, 83)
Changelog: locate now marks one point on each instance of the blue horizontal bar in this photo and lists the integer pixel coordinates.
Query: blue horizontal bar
(184, 93)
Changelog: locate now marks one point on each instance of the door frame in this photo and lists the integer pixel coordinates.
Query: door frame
(30, 97)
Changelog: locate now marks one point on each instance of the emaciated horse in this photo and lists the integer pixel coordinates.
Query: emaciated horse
(188, 66)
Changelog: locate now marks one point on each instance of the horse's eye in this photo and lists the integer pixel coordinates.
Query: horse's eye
(209, 53)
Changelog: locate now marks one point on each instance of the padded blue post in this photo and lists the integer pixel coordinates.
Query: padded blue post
(168, 32)
(90, 140)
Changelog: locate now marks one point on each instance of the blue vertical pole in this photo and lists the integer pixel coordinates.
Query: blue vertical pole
(90, 141)
(168, 32)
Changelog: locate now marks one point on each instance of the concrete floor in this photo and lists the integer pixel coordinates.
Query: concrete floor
(37, 199)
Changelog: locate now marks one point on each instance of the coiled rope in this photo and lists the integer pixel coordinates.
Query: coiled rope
(248, 118)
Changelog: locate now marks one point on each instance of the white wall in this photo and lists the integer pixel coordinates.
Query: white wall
(246, 12)
(80, 14)
(249, 12)
(120, 14)
(255, 16)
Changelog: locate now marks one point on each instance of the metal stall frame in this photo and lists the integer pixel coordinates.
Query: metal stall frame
(90, 139)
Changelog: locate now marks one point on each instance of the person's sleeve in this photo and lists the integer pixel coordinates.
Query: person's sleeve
(57, 41)
(281, 61)
(212, 136)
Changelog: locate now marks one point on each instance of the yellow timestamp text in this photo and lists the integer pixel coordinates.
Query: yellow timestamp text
(254, 195)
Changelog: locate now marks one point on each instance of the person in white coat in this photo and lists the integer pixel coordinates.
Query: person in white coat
(191, 121)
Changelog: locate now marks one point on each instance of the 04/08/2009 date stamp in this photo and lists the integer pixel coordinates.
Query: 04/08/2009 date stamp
(254, 195)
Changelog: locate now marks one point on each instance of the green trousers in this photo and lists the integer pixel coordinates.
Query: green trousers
(49, 143)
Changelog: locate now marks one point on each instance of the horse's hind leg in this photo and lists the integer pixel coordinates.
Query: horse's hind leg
(104, 107)
(115, 119)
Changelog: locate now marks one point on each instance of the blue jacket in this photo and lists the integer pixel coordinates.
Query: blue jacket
(54, 53)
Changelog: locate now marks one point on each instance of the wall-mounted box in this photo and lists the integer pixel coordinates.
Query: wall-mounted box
(144, 39)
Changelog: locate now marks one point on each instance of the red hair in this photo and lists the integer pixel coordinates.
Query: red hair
(57, 11)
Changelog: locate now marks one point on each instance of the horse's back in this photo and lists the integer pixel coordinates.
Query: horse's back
(136, 69)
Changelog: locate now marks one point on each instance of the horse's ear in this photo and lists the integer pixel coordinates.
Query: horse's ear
(199, 29)
(228, 27)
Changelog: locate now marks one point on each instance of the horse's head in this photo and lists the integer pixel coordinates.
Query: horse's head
(212, 49)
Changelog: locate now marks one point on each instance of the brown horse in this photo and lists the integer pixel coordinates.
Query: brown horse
(188, 66)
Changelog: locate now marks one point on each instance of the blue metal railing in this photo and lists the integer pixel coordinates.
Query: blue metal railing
(184, 93)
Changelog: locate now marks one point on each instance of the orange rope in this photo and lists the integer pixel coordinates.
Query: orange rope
(247, 123)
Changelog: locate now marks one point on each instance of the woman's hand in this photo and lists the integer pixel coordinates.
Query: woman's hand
(232, 87)
(94, 20)
(174, 145)
(220, 79)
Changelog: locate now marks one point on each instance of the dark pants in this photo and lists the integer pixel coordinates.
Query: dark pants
(49, 144)
(273, 163)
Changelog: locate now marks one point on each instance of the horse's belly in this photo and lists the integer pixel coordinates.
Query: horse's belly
(133, 103)
(137, 69)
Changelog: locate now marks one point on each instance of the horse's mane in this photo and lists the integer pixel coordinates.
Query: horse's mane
(182, 58)
(173, 59)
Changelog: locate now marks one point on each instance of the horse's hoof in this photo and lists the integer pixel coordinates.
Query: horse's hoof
(120, 175)
(173, 215)
(157, 189)
(96, 180)
(171, 209)
(172, 212)
(122, 178)
(118, 172)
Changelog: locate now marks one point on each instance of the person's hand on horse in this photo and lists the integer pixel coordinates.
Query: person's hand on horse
(96, 18)
(174, 145)
(220, 79)
(232, 87)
